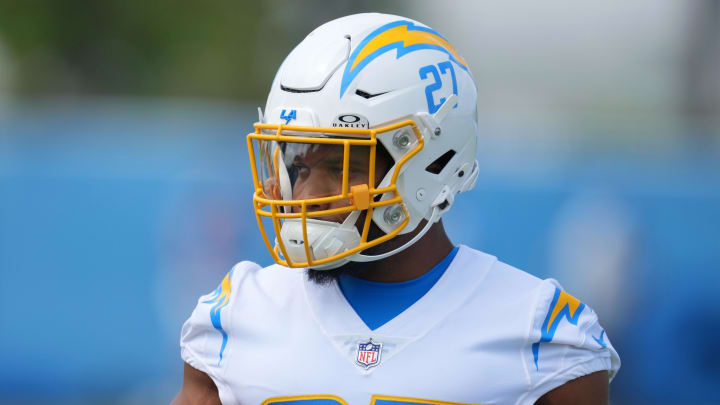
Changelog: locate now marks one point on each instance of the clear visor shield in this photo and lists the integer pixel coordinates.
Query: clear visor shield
(318, 193)
(304, 171)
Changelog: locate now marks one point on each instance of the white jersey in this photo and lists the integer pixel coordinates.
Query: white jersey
(486, 333)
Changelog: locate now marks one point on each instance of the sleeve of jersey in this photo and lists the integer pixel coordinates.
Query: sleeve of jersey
(204, 337)
(565, 342)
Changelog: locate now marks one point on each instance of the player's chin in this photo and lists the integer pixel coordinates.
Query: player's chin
(325, 277)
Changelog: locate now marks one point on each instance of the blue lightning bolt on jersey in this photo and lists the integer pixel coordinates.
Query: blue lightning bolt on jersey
(484, 333)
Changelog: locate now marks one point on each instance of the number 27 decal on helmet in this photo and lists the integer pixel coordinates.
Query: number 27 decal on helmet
(383, 136)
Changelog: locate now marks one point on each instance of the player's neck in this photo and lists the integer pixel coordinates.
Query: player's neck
(412, 262)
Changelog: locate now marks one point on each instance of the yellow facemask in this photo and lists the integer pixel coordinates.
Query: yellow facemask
(278, 180)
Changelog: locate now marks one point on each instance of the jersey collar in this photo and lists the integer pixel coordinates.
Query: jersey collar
(339, 321)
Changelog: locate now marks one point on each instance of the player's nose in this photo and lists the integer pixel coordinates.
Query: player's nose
(317, 185)
(314, 207)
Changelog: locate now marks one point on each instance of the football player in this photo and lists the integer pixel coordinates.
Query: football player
(368, 135)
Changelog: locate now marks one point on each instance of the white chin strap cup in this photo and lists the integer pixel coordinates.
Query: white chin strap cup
(328, 238)
(325, 239)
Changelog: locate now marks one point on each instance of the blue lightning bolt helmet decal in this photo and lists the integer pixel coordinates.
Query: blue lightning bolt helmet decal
(563, 306)
(402, 35)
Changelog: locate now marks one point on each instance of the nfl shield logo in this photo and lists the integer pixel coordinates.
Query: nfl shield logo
(368, 354)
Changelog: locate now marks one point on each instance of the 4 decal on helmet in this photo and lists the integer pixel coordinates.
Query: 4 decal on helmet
(288, 116)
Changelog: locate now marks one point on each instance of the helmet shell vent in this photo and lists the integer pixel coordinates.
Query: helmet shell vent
(311, 64)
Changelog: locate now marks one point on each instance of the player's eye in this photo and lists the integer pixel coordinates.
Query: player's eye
(297, 171)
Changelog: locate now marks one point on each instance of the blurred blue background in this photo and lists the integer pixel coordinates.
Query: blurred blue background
(125, 185)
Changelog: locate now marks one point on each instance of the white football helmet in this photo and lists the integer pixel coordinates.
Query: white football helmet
(350, 84)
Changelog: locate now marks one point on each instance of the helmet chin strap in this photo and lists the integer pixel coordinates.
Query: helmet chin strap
(366, 258)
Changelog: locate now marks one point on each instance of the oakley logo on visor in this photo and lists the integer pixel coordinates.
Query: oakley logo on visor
(350, 121)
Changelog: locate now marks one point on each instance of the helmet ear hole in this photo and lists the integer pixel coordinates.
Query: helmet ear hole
(439, 164)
